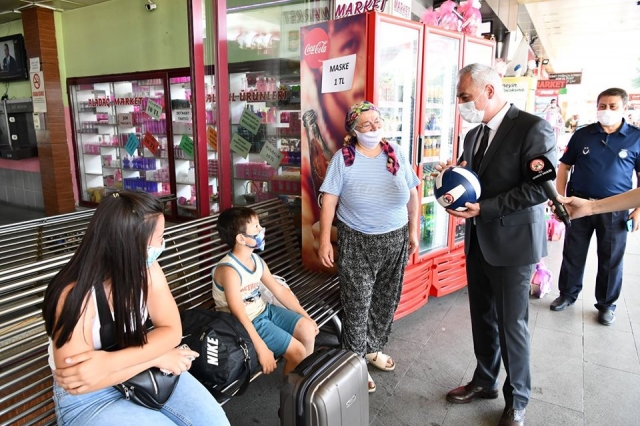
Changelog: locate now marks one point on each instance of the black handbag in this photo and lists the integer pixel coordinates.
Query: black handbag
(227, 354)
(150, 388)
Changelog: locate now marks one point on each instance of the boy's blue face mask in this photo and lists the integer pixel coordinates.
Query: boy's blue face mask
(259, 237)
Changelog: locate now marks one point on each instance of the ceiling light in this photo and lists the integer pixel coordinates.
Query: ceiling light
(545, 61)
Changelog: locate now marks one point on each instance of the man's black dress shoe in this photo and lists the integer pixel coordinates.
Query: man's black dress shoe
(560, 303)
(606, 317)
(469, 392)
(512, 417)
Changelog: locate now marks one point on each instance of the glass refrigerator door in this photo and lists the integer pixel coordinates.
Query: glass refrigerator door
(442, 53)
(396, 80)
(478, 51)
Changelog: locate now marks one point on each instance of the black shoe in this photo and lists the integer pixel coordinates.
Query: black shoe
(469, 392)
(560, 303)
(606, 317)
(512, 417)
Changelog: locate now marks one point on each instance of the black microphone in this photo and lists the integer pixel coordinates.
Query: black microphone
(541, 172)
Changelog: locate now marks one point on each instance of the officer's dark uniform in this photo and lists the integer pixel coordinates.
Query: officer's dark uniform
(603, 166)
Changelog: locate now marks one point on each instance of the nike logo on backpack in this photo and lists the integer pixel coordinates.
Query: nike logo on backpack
(212, 351)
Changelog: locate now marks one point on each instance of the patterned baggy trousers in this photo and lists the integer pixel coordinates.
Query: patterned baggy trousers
(371, 270)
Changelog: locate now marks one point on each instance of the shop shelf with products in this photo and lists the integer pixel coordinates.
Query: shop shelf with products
(110, 122)
(267, 94)
(184, 145)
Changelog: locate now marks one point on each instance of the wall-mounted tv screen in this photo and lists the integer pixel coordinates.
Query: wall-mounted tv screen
(13, 58)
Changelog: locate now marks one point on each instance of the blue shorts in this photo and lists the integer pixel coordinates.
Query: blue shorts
(275, 327)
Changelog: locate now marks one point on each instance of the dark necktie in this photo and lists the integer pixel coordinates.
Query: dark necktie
(484, 142)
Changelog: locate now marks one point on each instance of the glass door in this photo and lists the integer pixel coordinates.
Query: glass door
(441, 64)
(396, 72)
(476, 51)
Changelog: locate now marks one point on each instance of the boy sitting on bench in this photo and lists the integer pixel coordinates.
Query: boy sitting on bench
(274, 331)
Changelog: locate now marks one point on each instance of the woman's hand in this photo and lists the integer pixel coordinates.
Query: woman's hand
(325, 254)
(576, 207)
(176, 360)
(84, 371)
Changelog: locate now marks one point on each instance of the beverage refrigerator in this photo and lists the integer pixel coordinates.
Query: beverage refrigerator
(408, 70)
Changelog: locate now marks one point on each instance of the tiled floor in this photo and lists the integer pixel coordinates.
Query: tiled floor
(583, 373)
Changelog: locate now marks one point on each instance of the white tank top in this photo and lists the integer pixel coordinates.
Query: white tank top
(95, 330)
(254, 305)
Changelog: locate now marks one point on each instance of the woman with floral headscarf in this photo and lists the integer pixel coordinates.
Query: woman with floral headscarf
(372, 188)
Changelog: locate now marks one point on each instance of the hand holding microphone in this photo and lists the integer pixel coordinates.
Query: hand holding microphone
(541, 172)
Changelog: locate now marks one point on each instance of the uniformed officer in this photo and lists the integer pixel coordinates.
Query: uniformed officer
(604, 156)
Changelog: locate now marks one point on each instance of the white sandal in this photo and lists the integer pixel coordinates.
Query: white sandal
(371, 385)
(380, 360)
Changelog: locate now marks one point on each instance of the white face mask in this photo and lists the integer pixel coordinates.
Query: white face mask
(370, 139)
(608, 117)
(469, 112)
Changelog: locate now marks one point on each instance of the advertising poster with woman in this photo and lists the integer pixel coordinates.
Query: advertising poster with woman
(333, 77)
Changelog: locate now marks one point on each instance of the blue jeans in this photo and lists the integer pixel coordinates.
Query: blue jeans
(190, 405)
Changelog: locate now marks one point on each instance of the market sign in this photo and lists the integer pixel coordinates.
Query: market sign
(552, 84)
(569, 77)
(346, 8)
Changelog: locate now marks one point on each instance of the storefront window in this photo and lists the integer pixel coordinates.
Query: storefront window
(264, 98)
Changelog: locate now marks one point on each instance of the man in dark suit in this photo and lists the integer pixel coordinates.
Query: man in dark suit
(505, 236)
(8, 62)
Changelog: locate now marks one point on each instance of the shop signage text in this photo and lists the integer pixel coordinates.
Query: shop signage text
(349, 8)
(97, 102)
(400, 8)
(276, 95)
(570, 77)
(303, 16)
(552, 84)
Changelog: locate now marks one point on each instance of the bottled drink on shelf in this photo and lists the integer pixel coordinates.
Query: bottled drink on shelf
(319, 153)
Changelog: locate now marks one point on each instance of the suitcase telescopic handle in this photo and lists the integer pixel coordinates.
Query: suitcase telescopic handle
(312, 369)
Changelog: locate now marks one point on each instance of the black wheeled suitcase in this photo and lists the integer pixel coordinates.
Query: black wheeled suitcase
(328, 388)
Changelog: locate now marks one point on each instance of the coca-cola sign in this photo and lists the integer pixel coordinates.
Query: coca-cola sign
(315, 47)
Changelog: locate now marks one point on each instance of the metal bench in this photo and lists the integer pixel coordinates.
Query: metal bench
(33, 240)
(192, 248)
(52, 236)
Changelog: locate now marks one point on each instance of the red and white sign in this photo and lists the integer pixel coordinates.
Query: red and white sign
(552, 84)
(37, 92)
(35, 79)
(315, 47)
